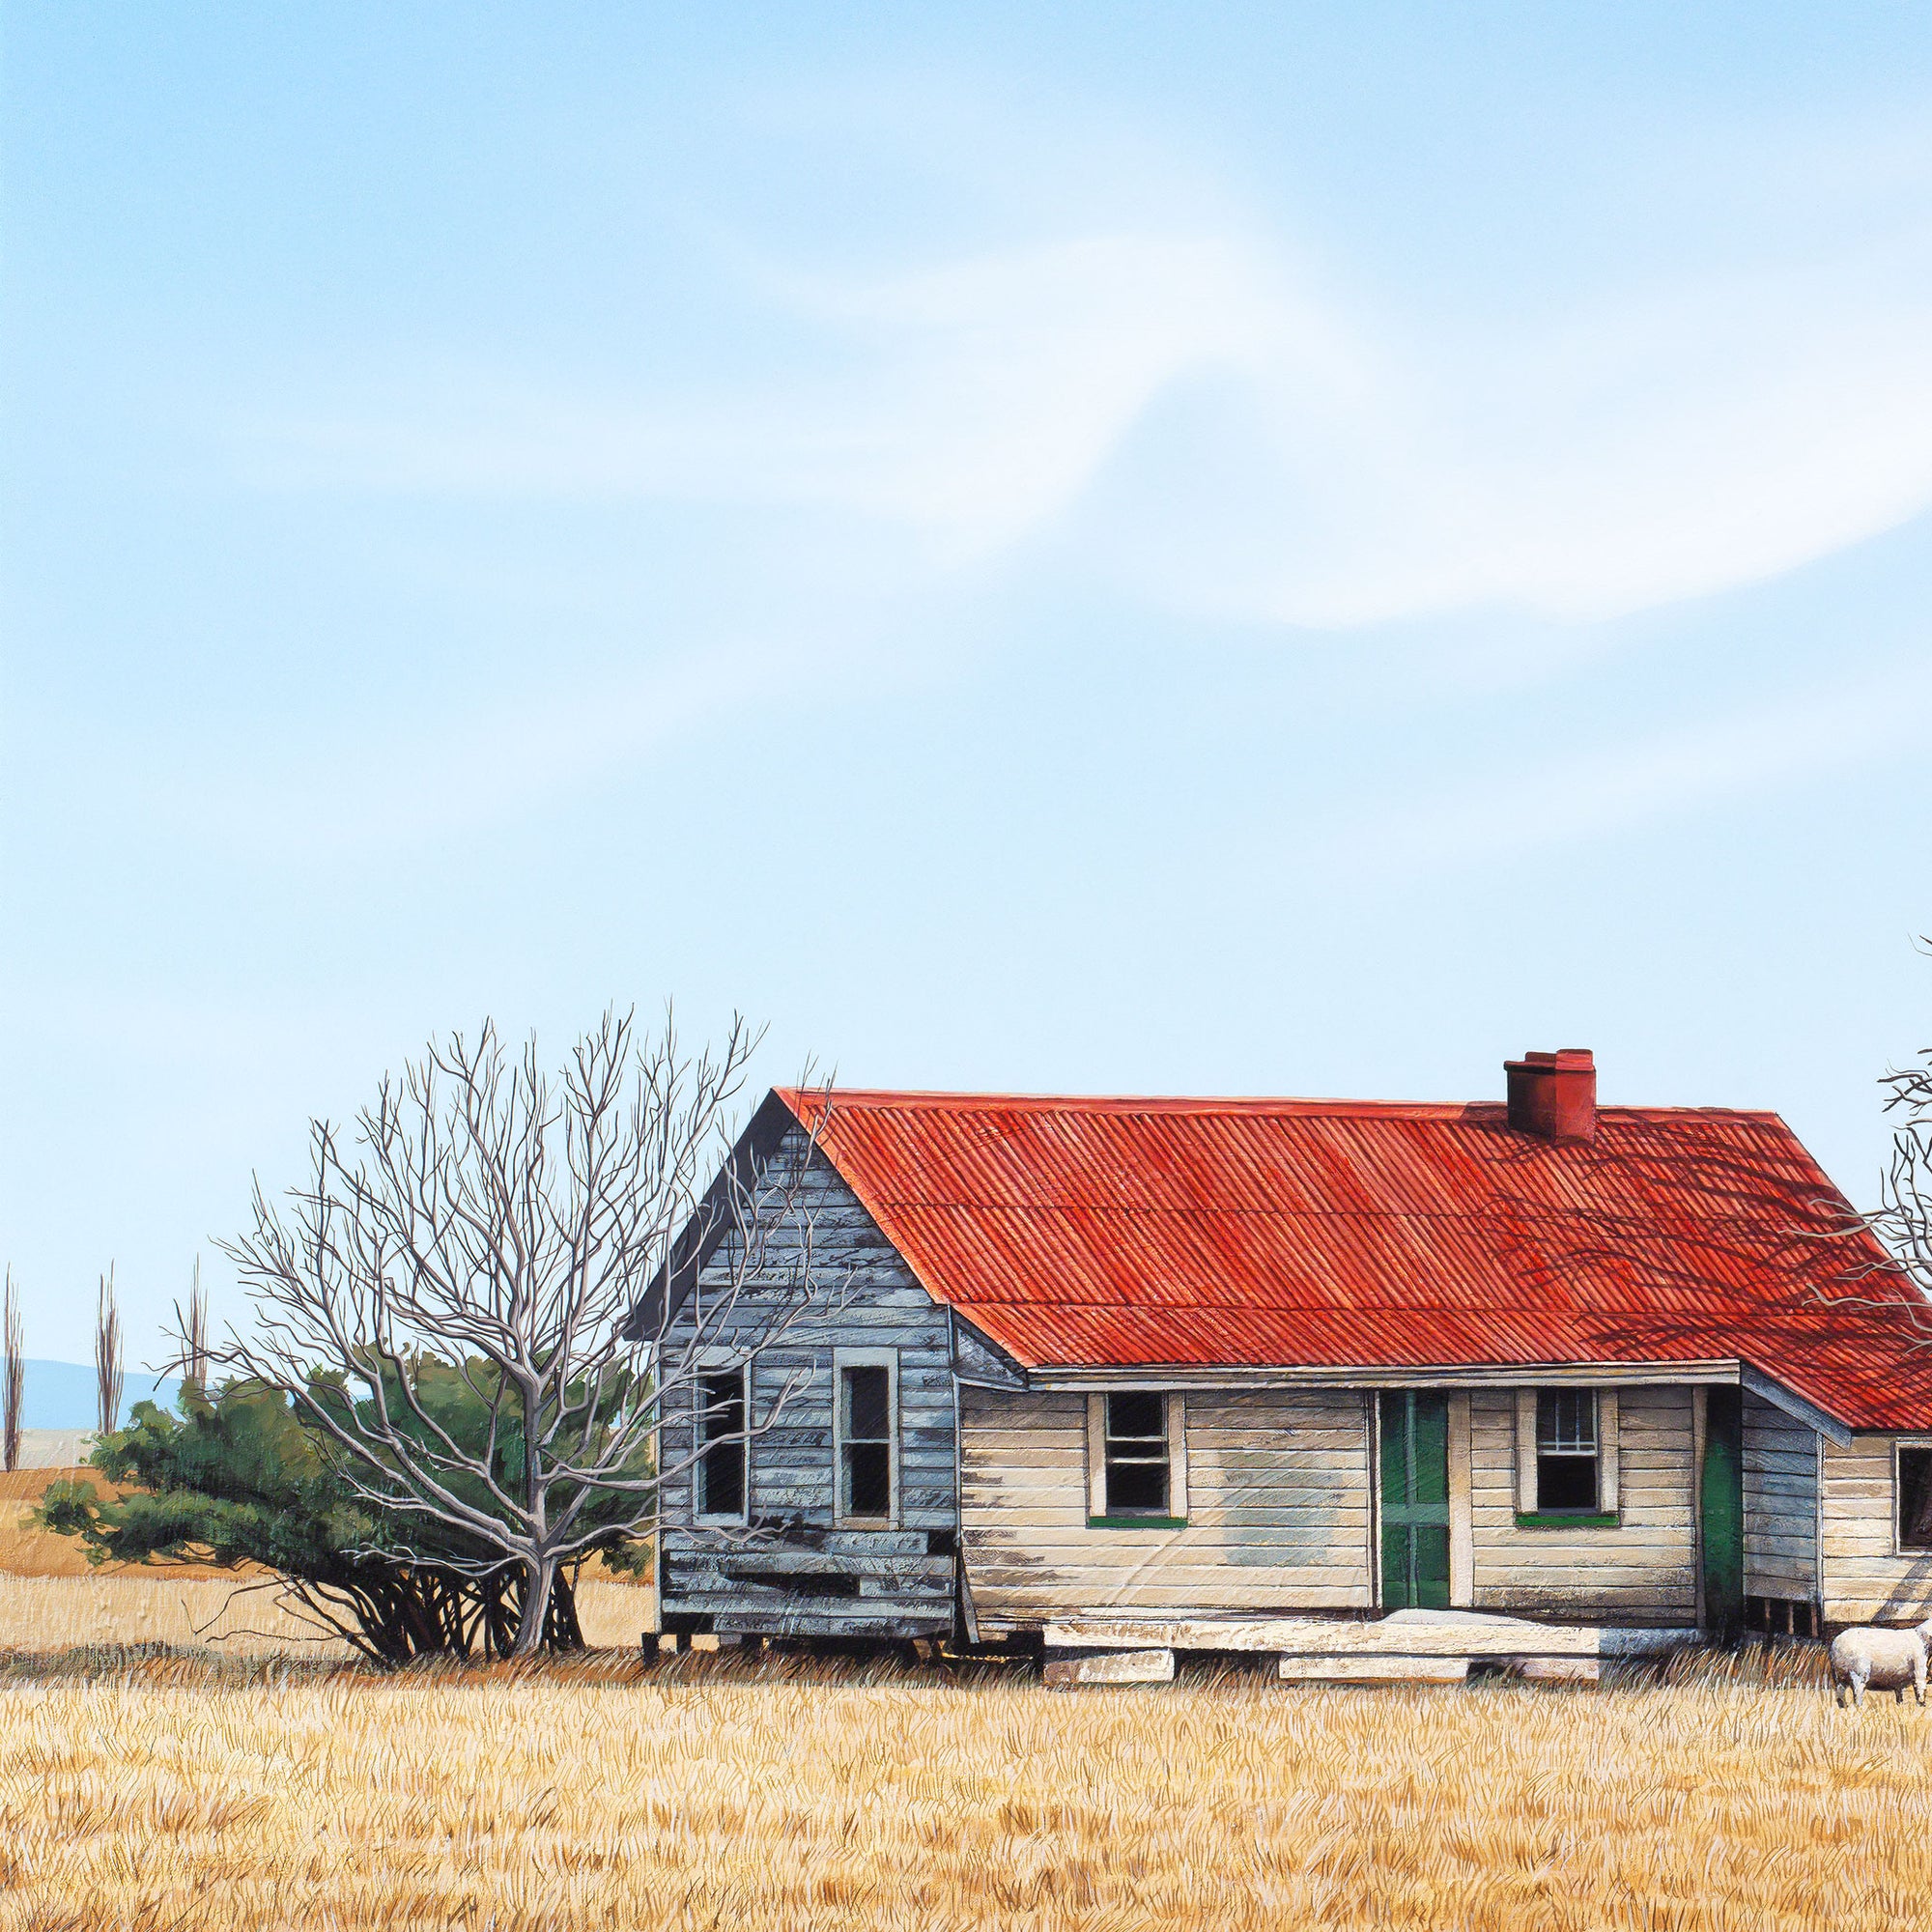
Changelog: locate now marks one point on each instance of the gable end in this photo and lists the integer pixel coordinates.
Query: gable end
(657, 1307)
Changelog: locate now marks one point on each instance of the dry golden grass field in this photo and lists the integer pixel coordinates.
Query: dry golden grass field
(151, 1779)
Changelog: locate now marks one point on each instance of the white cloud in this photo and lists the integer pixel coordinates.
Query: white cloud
(1184, 412)
(411, 780)
(1662, 449)
(1568, 796)
(972, 403)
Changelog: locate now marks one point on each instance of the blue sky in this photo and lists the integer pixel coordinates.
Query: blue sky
(1186, 549)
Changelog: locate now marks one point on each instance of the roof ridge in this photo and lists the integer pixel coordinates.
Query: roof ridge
(1660, 1217)
(951, 1101)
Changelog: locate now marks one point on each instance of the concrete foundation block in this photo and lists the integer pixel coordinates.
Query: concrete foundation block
(1557, 1669)
(1371, 1669)
(1117, 1666)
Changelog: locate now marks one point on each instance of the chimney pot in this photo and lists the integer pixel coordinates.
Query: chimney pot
(1553, 1096)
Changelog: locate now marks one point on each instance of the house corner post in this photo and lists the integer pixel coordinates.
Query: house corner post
(1701, 1405)
(1462, 1516)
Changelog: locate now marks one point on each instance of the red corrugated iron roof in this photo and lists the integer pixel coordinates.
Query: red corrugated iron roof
(1337, 1233)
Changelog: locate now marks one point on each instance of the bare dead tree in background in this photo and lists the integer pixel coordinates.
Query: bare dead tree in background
(13, 1376)
(496, 1224)
(107, 1373)
(194, 1335)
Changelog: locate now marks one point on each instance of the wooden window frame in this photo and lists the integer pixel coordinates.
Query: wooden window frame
(1175, 1410)
(705, 1372)
(865, 1358)
(1899, 1445)
(1608, 1513)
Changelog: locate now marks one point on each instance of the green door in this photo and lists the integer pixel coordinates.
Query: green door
(1721, 1509)
(1415, 1501)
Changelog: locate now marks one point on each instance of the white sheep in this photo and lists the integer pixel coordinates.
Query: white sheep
(1881, 1659)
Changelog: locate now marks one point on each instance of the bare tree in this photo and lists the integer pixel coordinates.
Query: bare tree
(107, 1373)
(194, 1335)
(13, 1376)
(495, 1223)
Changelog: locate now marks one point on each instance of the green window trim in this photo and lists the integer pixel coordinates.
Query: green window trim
(1568, 1520)
(1136, 1522)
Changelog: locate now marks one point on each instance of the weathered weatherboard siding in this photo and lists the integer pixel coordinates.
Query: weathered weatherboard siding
(1780, 1484)
(1642, 1571)
(1277, 1509)
(1865, 1580)
(795, 1568)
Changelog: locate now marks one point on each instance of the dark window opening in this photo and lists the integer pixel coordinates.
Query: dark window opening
(1914, 1500)
(721, 1469)
(866, 1435)
(1566, 1452)
(1137, 1475)
(1781, 1616)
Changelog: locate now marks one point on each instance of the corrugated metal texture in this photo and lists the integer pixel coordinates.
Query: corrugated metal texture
(1351, 1233)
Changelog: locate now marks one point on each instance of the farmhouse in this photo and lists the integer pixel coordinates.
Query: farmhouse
(1197, 1359)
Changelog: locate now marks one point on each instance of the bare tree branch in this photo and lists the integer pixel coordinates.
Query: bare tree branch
(12, 1377)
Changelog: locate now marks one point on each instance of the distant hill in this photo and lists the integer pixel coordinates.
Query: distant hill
(59, 1395)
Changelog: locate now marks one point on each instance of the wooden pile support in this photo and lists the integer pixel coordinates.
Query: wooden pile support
(1406, 1647)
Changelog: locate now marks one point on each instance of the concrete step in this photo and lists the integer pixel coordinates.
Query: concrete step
(1373, 1670)
(1464, 1634)
(1102, 1667)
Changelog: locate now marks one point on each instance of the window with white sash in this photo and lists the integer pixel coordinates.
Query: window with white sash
(1566, 1454)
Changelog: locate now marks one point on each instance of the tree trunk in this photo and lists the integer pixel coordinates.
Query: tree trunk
(539, 1579)
(416, 1615)
(499, 1636)
(566, 1633)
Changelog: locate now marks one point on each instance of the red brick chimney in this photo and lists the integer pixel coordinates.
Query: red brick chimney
(1553, 1096)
